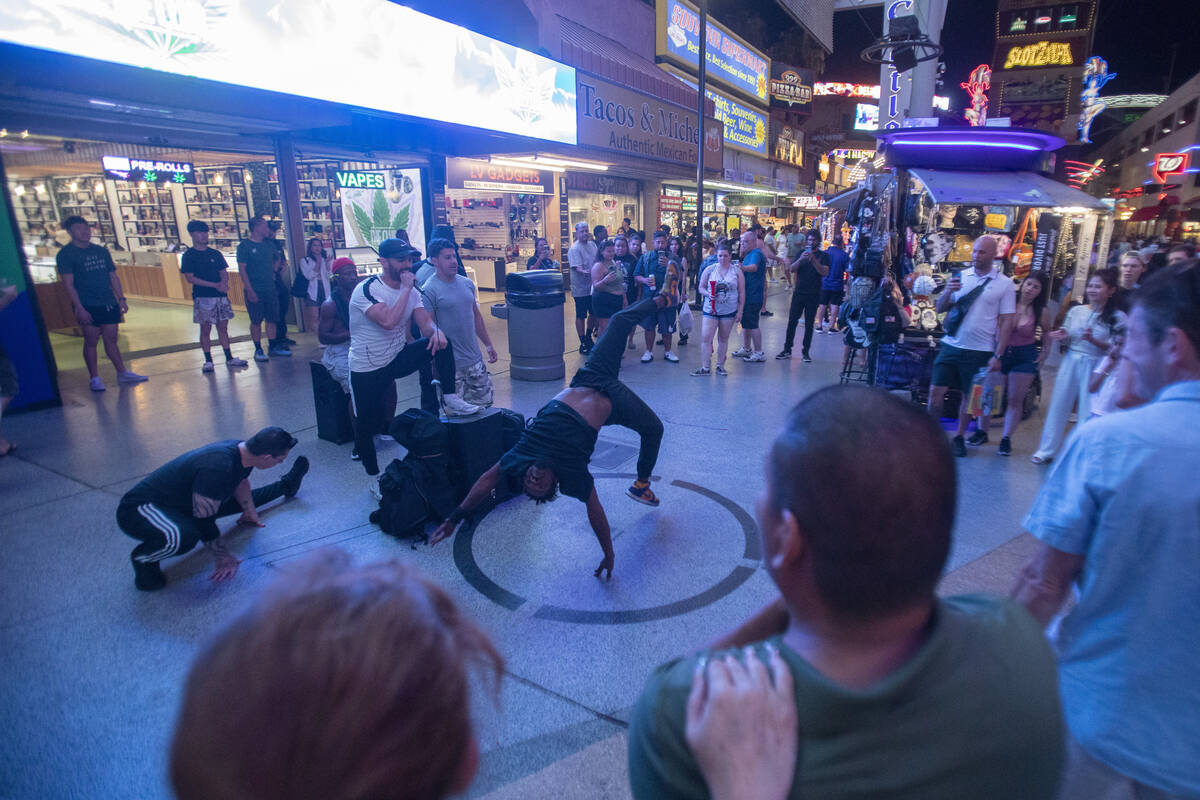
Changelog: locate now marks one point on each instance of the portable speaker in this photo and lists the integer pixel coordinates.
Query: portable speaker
(332, 406)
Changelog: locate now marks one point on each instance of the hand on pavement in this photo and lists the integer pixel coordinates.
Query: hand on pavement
(742, 728)
(444, 531)
(606, 566)
(250, 517)
(226, 567)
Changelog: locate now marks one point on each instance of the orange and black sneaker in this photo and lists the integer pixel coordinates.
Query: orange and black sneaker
(642, 492)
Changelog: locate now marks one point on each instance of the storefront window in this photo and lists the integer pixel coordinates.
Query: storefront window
(603, 200)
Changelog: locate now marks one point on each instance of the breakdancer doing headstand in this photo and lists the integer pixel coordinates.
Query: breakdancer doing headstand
(553, 452)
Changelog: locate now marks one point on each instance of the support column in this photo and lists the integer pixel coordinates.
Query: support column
(293, 218)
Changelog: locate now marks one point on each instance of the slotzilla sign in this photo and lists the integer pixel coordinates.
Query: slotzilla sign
(745, 128)
(612, 117)
(731, 61)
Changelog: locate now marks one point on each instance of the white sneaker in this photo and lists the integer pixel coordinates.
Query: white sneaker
(208, 367)
(647, 357)
(457, 407)
(756, 358)
(235, 362)
(669, 356)
(374, 489)
(96, 385)
(131, 377)
(741, 352)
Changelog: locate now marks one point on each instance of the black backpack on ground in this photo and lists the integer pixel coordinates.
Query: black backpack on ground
(416, 490)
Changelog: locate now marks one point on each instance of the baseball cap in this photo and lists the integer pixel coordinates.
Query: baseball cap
(398, 248)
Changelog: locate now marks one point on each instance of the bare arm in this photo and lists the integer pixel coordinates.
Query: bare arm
(247, 289)
(326, 330)
(437, 339)
(388, 317)
(194, 281)
(821, 267)
(599, 523)
(741, 295)
(1043, 583)
(479, 492)
(484, 336)
(1003, 332)
(1100, 374)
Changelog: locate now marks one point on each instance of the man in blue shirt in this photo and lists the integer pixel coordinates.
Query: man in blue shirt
(1119, 519)
(754, 265)
(833, 285)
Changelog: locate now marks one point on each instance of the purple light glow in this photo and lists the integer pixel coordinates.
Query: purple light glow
(964, 143)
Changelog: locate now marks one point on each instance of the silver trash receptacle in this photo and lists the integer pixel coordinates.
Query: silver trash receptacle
(534, 301)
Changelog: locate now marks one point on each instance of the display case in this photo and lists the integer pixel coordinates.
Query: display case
(220, 198)
(147, 215)
(319, 210)
(83, 195)
(480, 225)
(34, 207)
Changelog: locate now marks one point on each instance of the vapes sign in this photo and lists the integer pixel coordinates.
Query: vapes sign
(361, 180)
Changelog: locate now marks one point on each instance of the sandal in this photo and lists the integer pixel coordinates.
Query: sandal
(1041, 459)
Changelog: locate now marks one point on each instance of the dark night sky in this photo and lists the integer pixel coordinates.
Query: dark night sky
(1135, 36)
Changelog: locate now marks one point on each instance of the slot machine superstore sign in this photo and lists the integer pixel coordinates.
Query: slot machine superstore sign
(731, 61)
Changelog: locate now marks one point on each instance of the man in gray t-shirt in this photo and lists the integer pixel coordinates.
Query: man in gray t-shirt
(581, 258)
(450, 300)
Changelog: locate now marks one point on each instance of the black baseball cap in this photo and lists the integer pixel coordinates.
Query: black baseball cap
(398, 248)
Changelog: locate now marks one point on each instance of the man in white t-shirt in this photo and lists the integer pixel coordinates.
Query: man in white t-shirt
(582, 257)
(382, 308)
(982, 337)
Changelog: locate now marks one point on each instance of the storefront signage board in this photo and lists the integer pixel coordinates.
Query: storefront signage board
(806, 201)
(745, 128)
(377, 204)
(612, 117)
(788, 145)
(731, 61)
(791, 88)
(1166, 164)
(469, 173)
(602, 184)
(666, 203)
(1045, 246)
(124, 168)
(441, 72)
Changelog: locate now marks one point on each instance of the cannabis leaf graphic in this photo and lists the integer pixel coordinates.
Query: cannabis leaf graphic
(527, 88)
(401, 220)
(372, 228)
(379, 211)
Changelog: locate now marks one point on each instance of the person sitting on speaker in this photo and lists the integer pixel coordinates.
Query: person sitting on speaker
(553, 451)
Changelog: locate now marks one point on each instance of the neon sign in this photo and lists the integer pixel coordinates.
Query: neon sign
(851, 154)
(889, 105)
(123, 168)
(836, 89)
(1166, 164)
(977, 85)
(806, 201)
(1079, 173)
(1041, 54)
(1095, 75)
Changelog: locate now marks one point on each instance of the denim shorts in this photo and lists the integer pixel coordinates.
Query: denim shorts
(1022, 358)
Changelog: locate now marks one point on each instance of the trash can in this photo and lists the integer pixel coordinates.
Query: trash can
(534, 301)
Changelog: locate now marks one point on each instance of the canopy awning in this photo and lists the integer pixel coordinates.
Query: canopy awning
(1003, 189)
(841, 202)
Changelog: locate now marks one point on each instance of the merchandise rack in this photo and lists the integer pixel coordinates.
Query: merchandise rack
(220, 198)
(78, 196)
(33, 208)
(147, 215)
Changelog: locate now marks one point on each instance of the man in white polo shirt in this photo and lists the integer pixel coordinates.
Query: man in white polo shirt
(582, 257)
(382, 308)
(980, 339)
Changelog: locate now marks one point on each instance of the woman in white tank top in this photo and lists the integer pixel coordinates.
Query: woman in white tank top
(722, 298)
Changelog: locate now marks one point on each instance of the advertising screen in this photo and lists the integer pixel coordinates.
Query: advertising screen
(371, 54)
(866, 117)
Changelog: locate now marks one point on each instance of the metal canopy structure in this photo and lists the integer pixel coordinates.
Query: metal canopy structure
(1020, 188)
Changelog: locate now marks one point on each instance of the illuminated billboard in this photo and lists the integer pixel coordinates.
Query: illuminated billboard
(866, 117)
(731, 61)
(745, 128)
(398, 60)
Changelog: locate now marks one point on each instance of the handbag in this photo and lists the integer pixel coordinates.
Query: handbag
(956, 315)
(300, 284)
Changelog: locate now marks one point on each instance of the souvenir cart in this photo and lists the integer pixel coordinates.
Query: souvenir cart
(941, 189)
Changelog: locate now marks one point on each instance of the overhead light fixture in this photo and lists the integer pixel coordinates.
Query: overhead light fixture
(40, 188)
(218, 178)
(99, 187)
(1145, 149)
(20, 190)
(510, 162)
(562, 162)
(73, 186)
(249, 178)
(3, 132)
(25, 134)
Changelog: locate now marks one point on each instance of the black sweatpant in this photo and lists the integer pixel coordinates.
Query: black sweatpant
(369, 388)
(165, 532)
(600, 372)
(285, 301)
(805, 304)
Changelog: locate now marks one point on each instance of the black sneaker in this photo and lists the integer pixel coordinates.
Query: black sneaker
(765, 313)
(148, 577)
(1005, 447)
(683, 337)
(959, 447)
(783, 354)
(291, 480)
(584, 348)
(807, 359)
(978, 438)
(354, 456)
(286, 340)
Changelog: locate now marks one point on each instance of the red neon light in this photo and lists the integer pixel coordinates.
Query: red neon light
(977, 85)
(1169, 164)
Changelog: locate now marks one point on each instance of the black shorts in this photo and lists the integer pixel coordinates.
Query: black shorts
(583, 305)
(832, 297)
(663, 319)
(605, 304)
(750, 313)
(267, 307)
(955, 367)
(104, 315)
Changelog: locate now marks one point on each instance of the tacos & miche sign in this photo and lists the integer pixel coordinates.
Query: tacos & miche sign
(613, 117)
